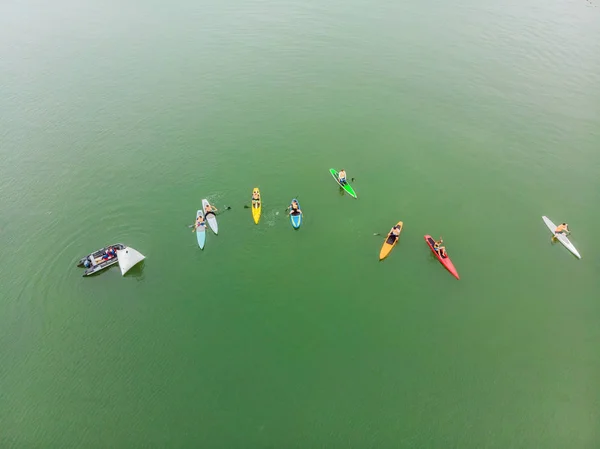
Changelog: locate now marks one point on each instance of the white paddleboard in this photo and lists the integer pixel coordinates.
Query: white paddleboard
(210, 218)
(561, 237)
(200, 231)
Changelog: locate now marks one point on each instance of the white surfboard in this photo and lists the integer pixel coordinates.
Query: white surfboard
(210, 218)
(561, 237)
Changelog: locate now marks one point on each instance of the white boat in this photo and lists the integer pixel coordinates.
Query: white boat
(100, 259)
(561, 237)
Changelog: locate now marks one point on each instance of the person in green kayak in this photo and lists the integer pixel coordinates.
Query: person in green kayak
(210, 210)
(199, 223)
(393, 235)
(439, 247)
(295, 208)
(342, 177)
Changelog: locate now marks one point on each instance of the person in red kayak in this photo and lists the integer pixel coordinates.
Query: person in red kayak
(438, 246)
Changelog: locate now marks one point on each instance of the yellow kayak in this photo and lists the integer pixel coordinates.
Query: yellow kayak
(388, 244)
(256, 206)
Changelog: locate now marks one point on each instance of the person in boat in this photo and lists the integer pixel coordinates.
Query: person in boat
(109, 254)
(342, 177)
(439, 247)
(295, 208)
(199, 223)
(394, 234)
(255, 199)
(562, 228)
(210, 210)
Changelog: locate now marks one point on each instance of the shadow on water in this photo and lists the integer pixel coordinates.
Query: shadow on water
(137, 272)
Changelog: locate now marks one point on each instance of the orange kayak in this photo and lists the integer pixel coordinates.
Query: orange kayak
(389, 243)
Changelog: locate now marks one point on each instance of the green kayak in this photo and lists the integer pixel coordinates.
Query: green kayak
(346, 186)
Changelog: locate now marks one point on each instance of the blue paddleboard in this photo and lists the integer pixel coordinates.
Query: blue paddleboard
(296, 219)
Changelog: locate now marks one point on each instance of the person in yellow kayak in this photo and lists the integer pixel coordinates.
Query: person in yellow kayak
(439, 247)
(199, 223)
(295, 208)
(210, 210)
(256, 199)
(342, 177)
(394, 234)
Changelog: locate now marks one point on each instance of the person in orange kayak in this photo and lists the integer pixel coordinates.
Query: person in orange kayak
(342, 177)
(438, 246)
(393, 234)
(563, 228)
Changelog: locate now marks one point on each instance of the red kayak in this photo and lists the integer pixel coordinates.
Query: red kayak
(445, 261)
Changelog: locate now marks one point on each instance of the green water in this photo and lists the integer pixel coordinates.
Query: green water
(469, 120)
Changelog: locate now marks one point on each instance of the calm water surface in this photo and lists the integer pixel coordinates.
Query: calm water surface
(466, 119)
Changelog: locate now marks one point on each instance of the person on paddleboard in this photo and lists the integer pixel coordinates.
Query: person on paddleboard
(563, 228)
(199, 223)
(439, 247)
(255, 199)
(394, 233)
(295, 208)
(210, 209)
(342, 177)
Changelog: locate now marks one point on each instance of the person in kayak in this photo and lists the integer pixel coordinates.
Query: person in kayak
(255, 199)
(295, 208)
(199, 223)
(210, 210)
(439, 247)
(342, 177)
(394, 234)
(563, 228)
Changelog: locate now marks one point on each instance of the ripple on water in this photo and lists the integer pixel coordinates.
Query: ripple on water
(64, 240)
